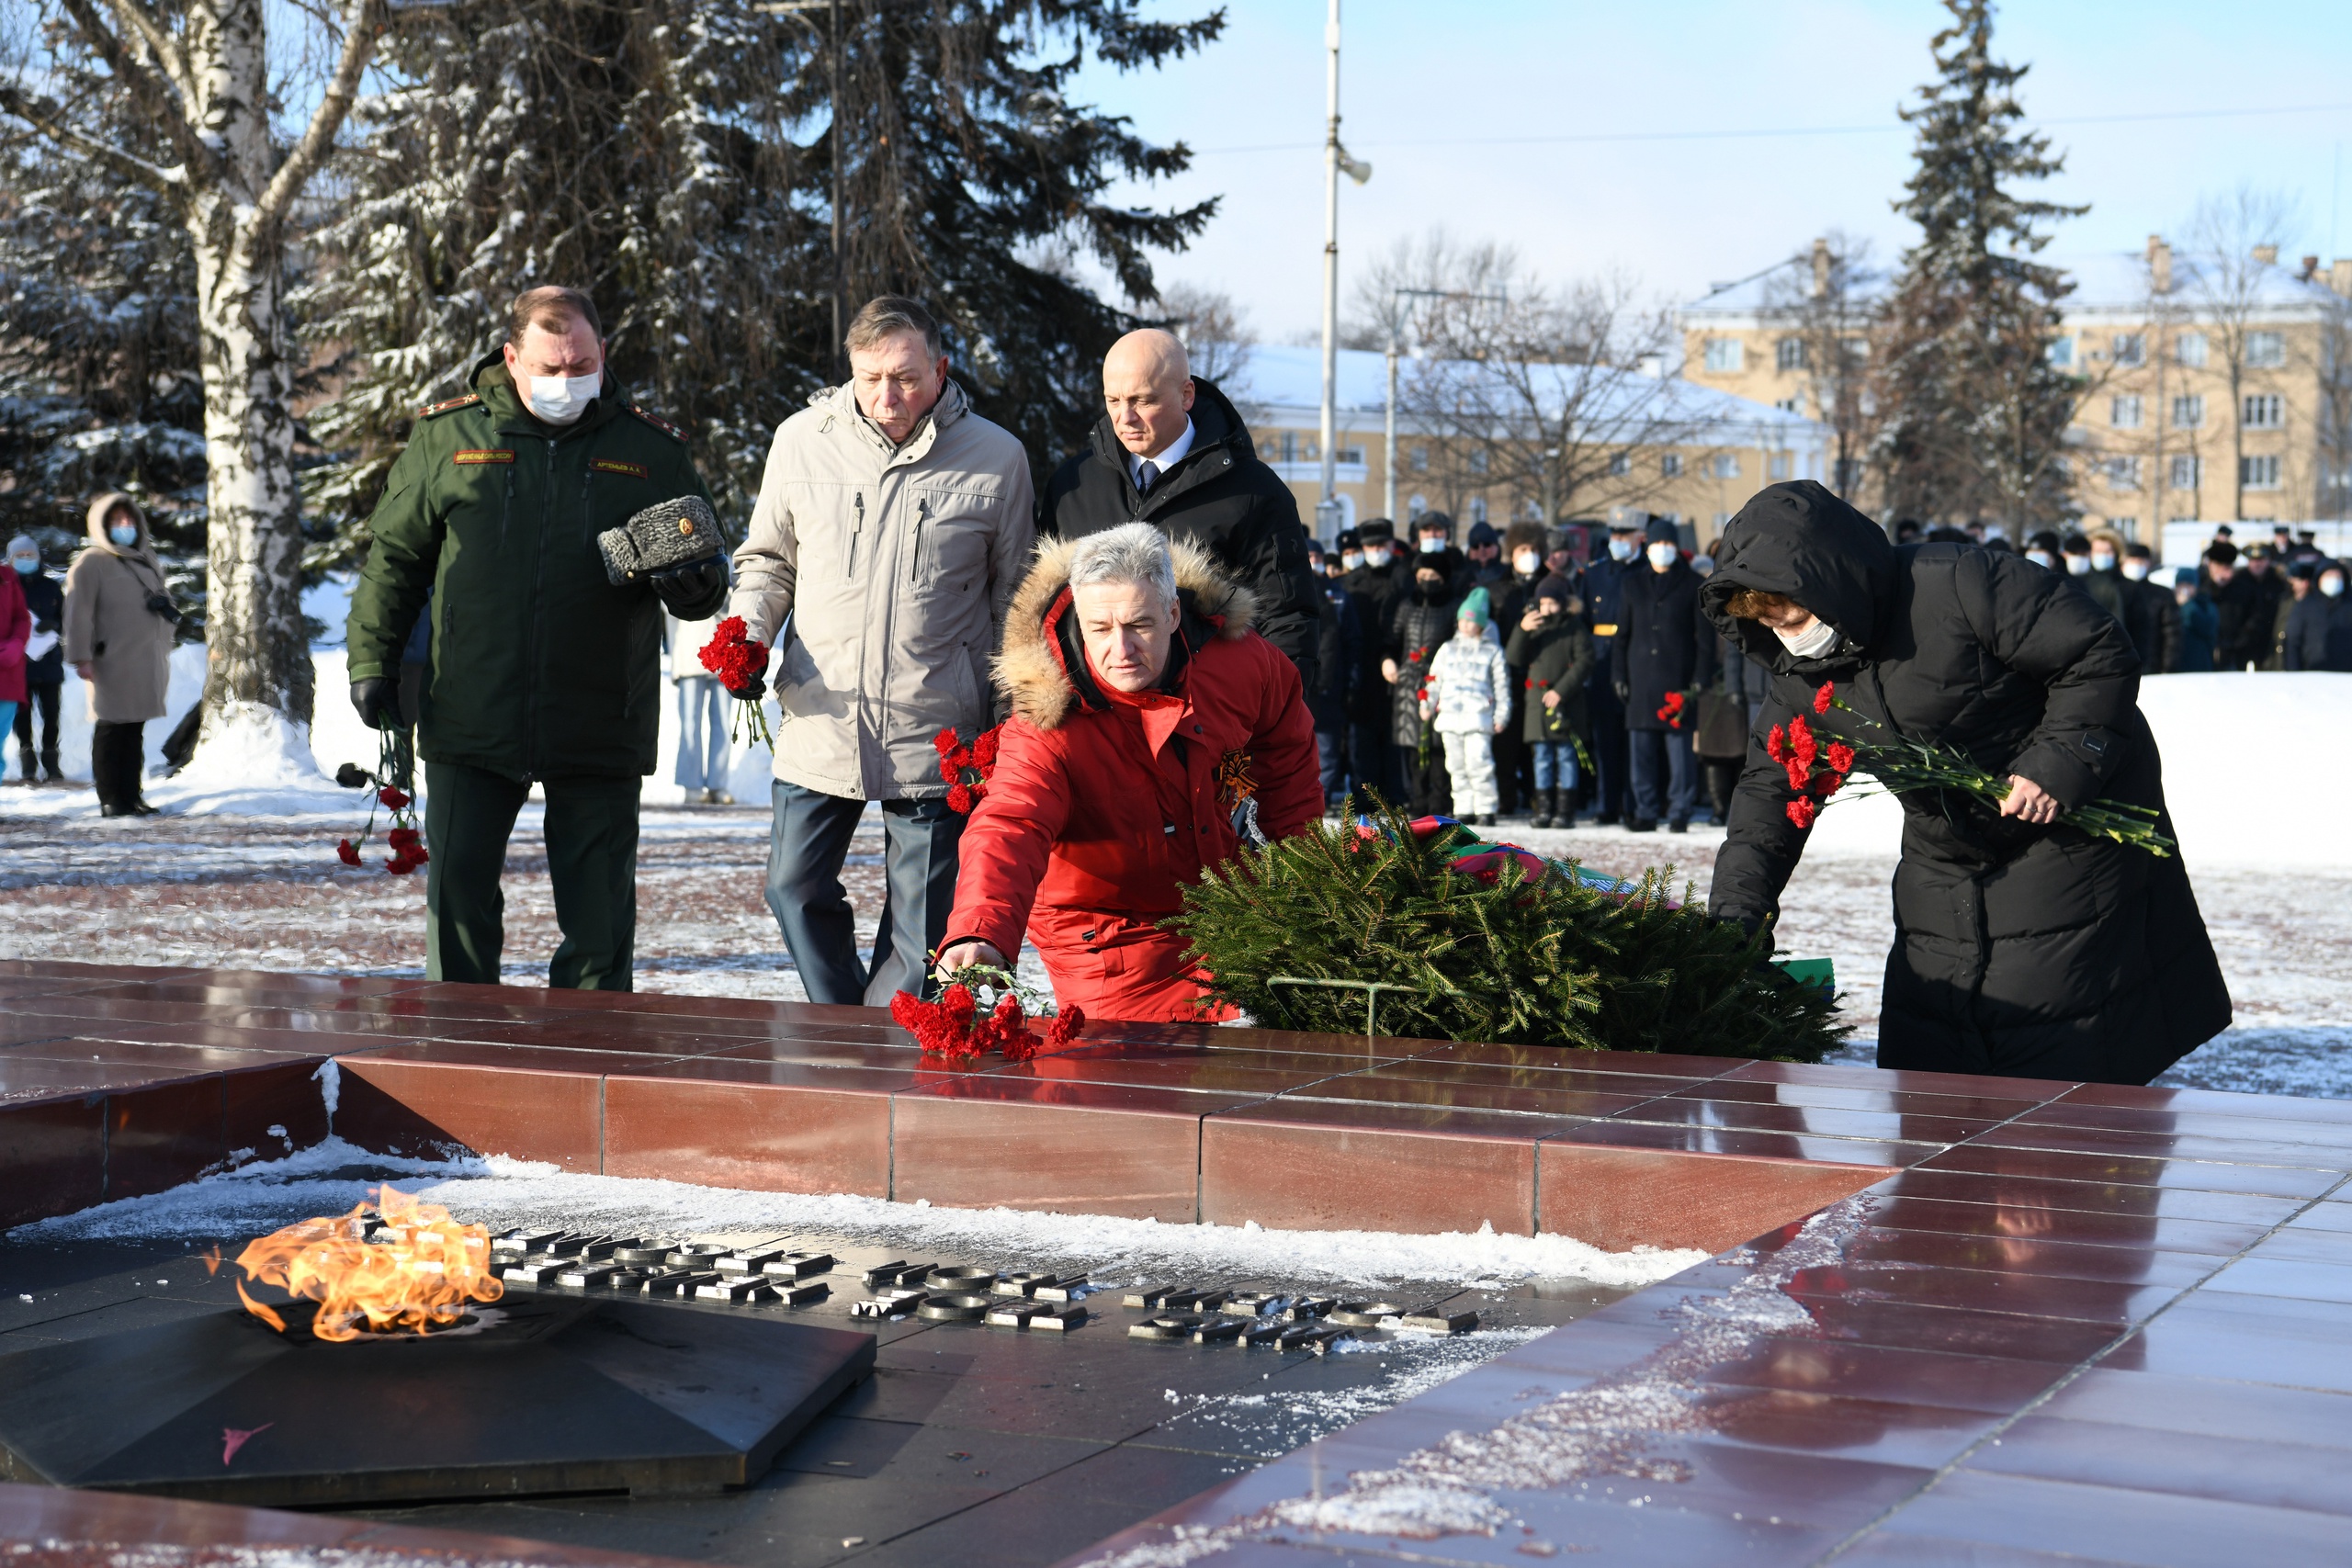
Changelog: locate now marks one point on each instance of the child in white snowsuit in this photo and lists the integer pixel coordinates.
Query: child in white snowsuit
(1469, 697)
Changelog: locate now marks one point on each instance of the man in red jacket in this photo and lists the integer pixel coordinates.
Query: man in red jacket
(1149, 725)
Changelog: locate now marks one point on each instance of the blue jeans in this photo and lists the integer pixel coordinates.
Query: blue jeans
(1555, 763)
(703, 755)
(806, 846)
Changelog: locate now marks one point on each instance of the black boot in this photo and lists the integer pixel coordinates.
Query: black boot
(1543, 798)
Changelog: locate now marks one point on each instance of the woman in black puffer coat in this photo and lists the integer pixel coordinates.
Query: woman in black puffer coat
(2020, 950)
(1419, 626)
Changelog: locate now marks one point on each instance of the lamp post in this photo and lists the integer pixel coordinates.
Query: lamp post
(1336, 161)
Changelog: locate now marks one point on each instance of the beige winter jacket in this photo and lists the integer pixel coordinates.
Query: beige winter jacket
(894, 569)
(109, 624)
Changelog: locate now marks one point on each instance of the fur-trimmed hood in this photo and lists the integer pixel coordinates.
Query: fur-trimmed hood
(1030, 671)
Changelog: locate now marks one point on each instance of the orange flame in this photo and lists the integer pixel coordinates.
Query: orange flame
(421, 1278)
(211, 1257)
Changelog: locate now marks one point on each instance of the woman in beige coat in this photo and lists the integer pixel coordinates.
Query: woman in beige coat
(119, 623)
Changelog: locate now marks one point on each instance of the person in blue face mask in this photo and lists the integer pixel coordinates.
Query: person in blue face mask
(119, 621)
(44, 661)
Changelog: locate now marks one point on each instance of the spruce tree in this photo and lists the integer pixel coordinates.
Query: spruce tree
(674, 158)
(1972, 415)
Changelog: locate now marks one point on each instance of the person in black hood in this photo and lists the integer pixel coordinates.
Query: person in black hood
(1423, 621)
(2023, 947)
(1664, 651)
(1172, 450)
(1372, 583)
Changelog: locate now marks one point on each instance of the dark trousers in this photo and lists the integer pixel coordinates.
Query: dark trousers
(40, 694)
(118, 763)
(1609, 750)
(592, 860)
(1331, 761)
(1722, 777)
(1376, 760)
(807, 845)
(1429, 789)
(1513, 785)
(1662, 756)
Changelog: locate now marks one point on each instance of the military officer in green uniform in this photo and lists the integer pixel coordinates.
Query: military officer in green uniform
(541, 671)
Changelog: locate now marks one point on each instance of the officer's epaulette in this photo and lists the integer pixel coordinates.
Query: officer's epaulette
(452, 403)
(663, 425)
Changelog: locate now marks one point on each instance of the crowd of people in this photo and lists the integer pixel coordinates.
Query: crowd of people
(1620, 705)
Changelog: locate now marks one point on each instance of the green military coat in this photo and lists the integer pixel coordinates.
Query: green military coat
(540, 668)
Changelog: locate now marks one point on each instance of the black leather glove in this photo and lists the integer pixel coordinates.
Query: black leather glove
(377, 698)
(693, 591)
(753, 693)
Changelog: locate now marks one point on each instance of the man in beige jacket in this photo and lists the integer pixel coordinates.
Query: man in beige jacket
(893, 526)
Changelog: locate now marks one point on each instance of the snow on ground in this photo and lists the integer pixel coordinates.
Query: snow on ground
(241, 872)
(333, 1176)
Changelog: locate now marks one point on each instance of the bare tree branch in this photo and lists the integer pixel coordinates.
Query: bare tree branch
(42, 116)
(169, 56)
(359, 40)
(158, 100)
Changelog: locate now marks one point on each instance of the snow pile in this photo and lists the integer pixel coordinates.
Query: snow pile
(332, 1177)
(254, 759)
(2252, 765)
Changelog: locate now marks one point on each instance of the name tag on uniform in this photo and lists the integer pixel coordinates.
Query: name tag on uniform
(473, 455)
(614, 466)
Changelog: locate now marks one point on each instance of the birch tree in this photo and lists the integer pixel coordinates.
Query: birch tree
(192, 81)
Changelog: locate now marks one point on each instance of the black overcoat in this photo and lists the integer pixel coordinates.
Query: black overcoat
(1663, 643)
(2021, 951)
(1221, 497)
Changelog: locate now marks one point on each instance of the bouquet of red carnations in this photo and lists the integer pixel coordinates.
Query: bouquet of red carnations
(1898, 763)
(402, 838)
(958, 1028)
(737, 661)
(966, 769)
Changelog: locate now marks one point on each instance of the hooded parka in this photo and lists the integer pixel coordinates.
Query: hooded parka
(892, 565)
(2020, 951)
(1221, 497)
(1104, 805)
(541, 668)
(109, 624)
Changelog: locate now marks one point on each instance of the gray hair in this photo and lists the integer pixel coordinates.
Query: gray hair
(1132, 552)
(886, 315)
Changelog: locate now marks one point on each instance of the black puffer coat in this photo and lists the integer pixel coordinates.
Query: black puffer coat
(1221, 497)
(1423, 619)
(2021, 951)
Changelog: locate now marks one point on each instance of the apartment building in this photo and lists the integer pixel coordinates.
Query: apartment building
(1634, 440)
(2208, 388)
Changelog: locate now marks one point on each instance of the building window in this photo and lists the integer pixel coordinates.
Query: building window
(1620, 465)
(2123, 413)
(1478, 509)
(2062, 352)
(2185, 472)
(1789, 353)
(1727, 466)
(1478, 460)
(2258, 473)
(1779, 465)
(2130, 348)
(2189, 349)
(2188, 413)
(1421, 459)
(1789, 405)
(2127, 526)
(1290, 446)
(2264, 411)
(2266, 351)
(1351, 455)
(2122, 473)
(1724, 355)
(1417, 505)
(1671, 466)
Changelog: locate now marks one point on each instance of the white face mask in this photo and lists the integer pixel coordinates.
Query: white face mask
(2102, 560)
(1350, 559)
(562, 400)
(2332, 586)
(1375, 554)
(1434, 544)
(1811, 643)
(1527, 562)
(1621, 550)
(1662, 556)
(2136, 569)
(2043, 558)
(2079, 565)
(124, 534)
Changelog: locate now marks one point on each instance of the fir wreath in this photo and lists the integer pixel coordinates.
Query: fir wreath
(1518, 958)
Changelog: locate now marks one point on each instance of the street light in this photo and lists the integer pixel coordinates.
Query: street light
(1336, 161)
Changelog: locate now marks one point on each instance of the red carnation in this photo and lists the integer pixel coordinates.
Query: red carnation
(399, 865)
(1776, 746)
(391, 796)
(1063, 1027)
(945, 741)
(347, 851)
(984, 750)
(1823, 697)
(1801, 812)
(1841, 756)
(959, 799)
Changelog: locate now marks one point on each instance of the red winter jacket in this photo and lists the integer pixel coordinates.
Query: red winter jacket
(1104, 804)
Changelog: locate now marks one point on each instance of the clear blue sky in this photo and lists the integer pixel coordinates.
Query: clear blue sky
(1677, 214)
